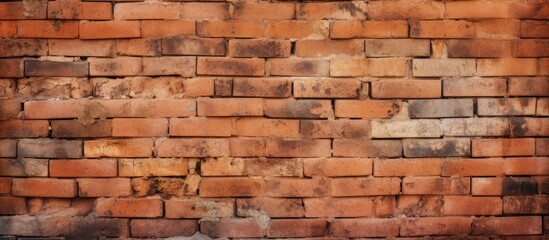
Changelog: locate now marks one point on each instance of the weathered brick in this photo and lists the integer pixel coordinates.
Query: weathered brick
(263, 127)
(182, 66)
(24, 167)
(406, 89)
(192, 147)
(365, 227)
(233, 227)
(9, 108)
(20, 10)
(503, 147)
(507, 67)
(291, 108)
(80, 129)
(507, 226)
(531, 48)
(436, 185)
(230, 107)
(164, 28)
(110, 29)
(369, 29)
(465, 205)
(263, 48)
(205, 10)
(526, 205)
(79, 10)
(231, 29)
(337, 167)
(200, 126)
(526, 166)
(445, 226)
(497, 28)
(479, 48)
(163, 228)
(43, 187)
(472, 167)
(159, 88)
(328, 48)
(535, 86)
(499, 9)
(347, 187)
(475, 127)
(367, 108)
(11, 68)
(152, 167)
(442, 29)
(138, 47)
(231, 187)
(542, 107)
(247, 147)
(298, 148)
(118, 148)
(534, 29)
(440, 108)
(230, 66)
(8, 29)
(8, 148)
(226, 166)
(262, 87)
(296, 29)
(47, 29)
(482, 87)
(23, 128)
(50, 68)
(120, 66)
(13, 206)
(366, 148)
(5, 185)
(334, 129)
(23, 47)
(84, 48)
(297, 187)
(331, 10)
(104, 187)
(37, 88)
(223, 87)
(506, 106)
(299, 67)
(486, 186)
(137, 11)
(83, 168)
(383, 67)
(523, 127)
(406, 128)
(263, 11)
(542, 146)
(407, 167)
(397, 48)
(297, 228)
(338, 207)
(49, 148)
(9, 88)
(198, 208)
(326, 88)
(443, 67)
(273, 207)
(128, 207)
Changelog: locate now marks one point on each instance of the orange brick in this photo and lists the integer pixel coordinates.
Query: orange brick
(23, 47)
(205, 10)
(198, 208)
(8, 148)
(182, 66)
(49, 148)
(507, 67)
(43, 187)
(397, 47)
(24, 167)
(402, 9)
(138, 47)
(104, 187)
(152, 167)
(273, 207)
(334, 129)
(8, 29)
(326, 88)
(299, 67)
(498, 9)
(298, 148)
(331, 10)
(251, 167)
(297, 228)
(534, 29)
(296, 29)
(192, 147)
(259, 48)
(497, 28)
(535, 86)
(366, 148)
(264, 11)
(339, 207)
(482, 87)
(507, 225)
(337, 167)
(47, 29)
(136, 11)
(262, 127)
(291, 108)
(542, 146)
(436, 185)
(83, 168)
(297, 187)
(503, 147)
(465, 205)
(84, 48)
(232, 29)
(9, 88)
(406, 89)
(79, 10)
(18, 10)
(247, 147)
(127, 207)
(233, 227)
(531, 48)
(347, 187)
(388, 67)
(526, 166)
(79, 129)
(178, 45)
(231, 187)
(163, 28)
(230, 107)
(230, 66)
(120, 66)
(13, 205)
(9, 108)
(365, 227)
(197, 127)
(525, 204)
(544, 66)
(11, 67)
(486, 186)
(327, 48)
(442, 29)
(118, 148)
(407, 167)
(535, 127)
(369, 29)
(23, 128)
(472, 167)
(163, 228)
(447, 226)
(110, 29)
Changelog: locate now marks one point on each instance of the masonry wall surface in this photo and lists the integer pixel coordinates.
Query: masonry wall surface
(274, 119)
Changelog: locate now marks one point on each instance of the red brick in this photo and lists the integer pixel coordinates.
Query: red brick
(369, 29)
(442, 29)
(535, 86)
(365, 227)
(443, 67)
(182, 66)
(436, 185)
(262, 87)
(526, 166)
(507, 226)
(444, 226)
(9, 108)
(326, 88)
(299, 67)
(337, 167)
(497, 28)
(205, 10)
(192, 147)
(84, 48)
(230, 66)
(366, 148)
(8, 29)
(542, 107)
(297, 187)
(397, 48)
(137, 11)
(339, 207)
(12, 205)
(482, 87)
(273, 207)
(298, 148)
(383, 67)
(80, 128)
(328, 48)
(79, 10)
(121, 66)
(227, 166)
(263, 11)
(152, 167)
(296, 29)
(472, 167)
(11, 67)
(334, 129)
(465, 205)
(146, 127)
(479, 48)
(8, 148)
(297, 228)
(348, 187)
(367, 108)
(199, 208)
(118, 148)
(18, 10)
(47, 29)
(105, 187)
(231, 187)
(331, 10)
(163, 228)
(83, 168)
(223, 87)
(197, 127)
(23, 47)
(534, 29)
(138, 47)
(127, 207)
(259, 48)
(49, 148)
(499, 9)
(531, 48)
(440, 108)
(24, 167)
(521, 127)
(506, 106)
(110, 29)
(5, 185)
(50, 69)
(507, 67)
(542, 146)
(163, 28)
(247, 147)
(230, 107)
(503, 147)
(406, 89)
(231, 29)
(291, 108)
(407, 167)
(233, 227)
(9, 88)
(400, 9)
(486, 186)
(23, 128)
(42, 187)
(526, 204)
(262, 127)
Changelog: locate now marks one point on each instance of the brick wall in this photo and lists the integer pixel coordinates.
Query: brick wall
(347, 119)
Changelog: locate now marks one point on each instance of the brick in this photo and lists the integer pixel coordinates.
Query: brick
(526, 204)
(9, 108)
(534, 29)
(11, 68)
(407, 167)
(337, 167)
(79, 10)
(366, 148)
(297, 148)
(526, 166)
(164, 28)
(178, 45)
(49, 148)
(465, 205)
(23, 128)
(83, 168)
(443, 67)
(296, 29)
(18, 10)
(259, 48)
(120, 66)
(160, 88)
(104, 187)
(535, 86)
(297, 228)
(80, 129)
(505, 9)
(291, 108)
(272, 207)
(364, 227)
(230, 66)
(110, 29)
(472, 167)
(197, 127)
(475, 127)
(507, 67)
(506, 106)
(328, 48)
(163, 227)
(231, 187)
(5, 185)
(8, 29)
(503, 147)
(523, 127)
(138, 47)
(38, 88)
(247, 147)
(9, 88)
(141, 207)
(24, 167)
(50, 69)
(369, 29)
(436, 185)
(43, 187)
(47, 29)
(223, 87)
(326, 88)
(367, 108)
(348, 187)
(334, 129)
(445, 226)
(8, 148)
(406, 89)
(441, 108)
(383, 67)
(233, 227)
(516, 186)
(486, 186)
(442, 29)
(262, 127)
(230, 107)
(419, 206)
(118, 148)
(230, 29)
(397, 48)
(507, 225)
(137, 11)
(152, 167)
(406, 128)
(331, 10)
(401, 9)
(192, 147)
(479, 48)
(297, 187)
(12, 205)
(264, 11)
(497, 28)
(542, 107)
(182, 66)
(542, 146)
(262, 87)
(226, 166)
(213, 10)
(299, 67)
(482, 87)
(198, 208)
(84, 48)
(23, 47)
(338, 207)
(531, 48)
